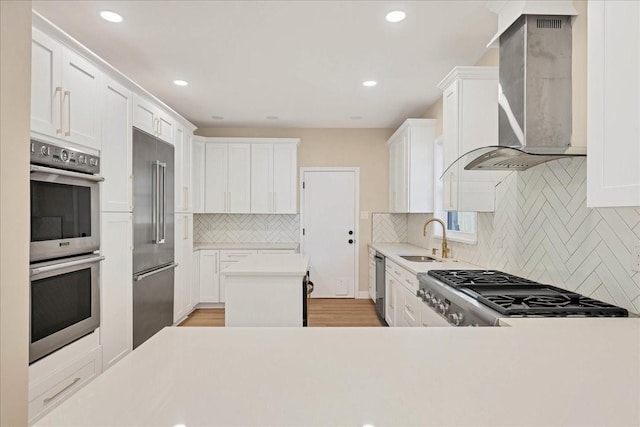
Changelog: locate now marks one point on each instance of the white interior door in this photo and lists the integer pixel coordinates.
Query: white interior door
(329, 216)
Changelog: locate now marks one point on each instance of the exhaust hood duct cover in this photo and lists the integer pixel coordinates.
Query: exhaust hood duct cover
(534, 113)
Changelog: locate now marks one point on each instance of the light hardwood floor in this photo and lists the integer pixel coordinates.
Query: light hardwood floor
(322, 312)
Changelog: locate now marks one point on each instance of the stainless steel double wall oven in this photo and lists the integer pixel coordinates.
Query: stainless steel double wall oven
(65, 240)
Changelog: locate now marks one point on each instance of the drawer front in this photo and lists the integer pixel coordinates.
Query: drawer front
(394, 269)
(236, 255)
(276, 251)
(410, 309)
(50, 392)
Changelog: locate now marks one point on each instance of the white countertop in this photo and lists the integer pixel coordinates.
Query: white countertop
(269, 265)
(533, 376)
(393, 251)
(230, 246)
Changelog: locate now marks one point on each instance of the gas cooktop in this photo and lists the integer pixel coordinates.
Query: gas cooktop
(511, 295)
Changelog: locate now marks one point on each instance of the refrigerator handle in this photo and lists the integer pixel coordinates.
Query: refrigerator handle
(155, 204)
(163, 202)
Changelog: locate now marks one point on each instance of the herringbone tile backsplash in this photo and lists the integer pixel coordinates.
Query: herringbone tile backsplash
(543, 230)
(389, 227)
(222, 228)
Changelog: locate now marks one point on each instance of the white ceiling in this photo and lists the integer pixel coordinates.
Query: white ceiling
(302, 61)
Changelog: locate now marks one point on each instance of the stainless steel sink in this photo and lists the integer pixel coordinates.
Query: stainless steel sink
(419, 258)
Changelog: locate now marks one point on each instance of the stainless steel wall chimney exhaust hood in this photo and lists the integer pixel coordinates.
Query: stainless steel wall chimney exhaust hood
(534, 120)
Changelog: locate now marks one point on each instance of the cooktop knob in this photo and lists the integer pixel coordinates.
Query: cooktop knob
(44, 151)
(456, 318)
(64, 155)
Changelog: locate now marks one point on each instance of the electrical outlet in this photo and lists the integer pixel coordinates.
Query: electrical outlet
(635, 256)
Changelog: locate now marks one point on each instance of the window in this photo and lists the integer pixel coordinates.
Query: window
(461, 226)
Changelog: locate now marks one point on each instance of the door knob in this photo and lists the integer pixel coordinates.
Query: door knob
(350, 232)
(350, 241)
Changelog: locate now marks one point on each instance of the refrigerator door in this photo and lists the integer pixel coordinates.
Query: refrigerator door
(152, 202)
(152, 303)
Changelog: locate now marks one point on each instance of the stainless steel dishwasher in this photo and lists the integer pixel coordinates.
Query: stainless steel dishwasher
(380, 286)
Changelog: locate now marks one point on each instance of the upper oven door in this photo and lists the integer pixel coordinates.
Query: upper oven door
(65, 213)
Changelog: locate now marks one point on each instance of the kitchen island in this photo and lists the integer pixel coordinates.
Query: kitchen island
(572, 374)
(265, 290)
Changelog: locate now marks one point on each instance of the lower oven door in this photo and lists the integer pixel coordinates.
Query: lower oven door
(65, 213)
(64, 303)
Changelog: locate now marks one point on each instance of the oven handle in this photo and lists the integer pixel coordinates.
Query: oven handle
(46, 269)
(151, 273)
(62, 172)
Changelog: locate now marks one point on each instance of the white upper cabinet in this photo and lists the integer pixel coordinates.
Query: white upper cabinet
(470, 121)
(273, 177)
(410, 166)
(198, 175)
(183, 169)
(613, 106)
(116, 191)
(150, 118)
(227, 178)
(65, 89)
(245, 175)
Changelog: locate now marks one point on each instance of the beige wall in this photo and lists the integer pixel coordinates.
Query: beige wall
(579, 78)
(365, 148)
(15, 86)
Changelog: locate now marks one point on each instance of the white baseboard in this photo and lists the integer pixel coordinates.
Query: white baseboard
(363, 295)
(209, 305)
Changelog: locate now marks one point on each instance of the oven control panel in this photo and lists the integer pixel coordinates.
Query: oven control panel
(46, 154)
(454, 309)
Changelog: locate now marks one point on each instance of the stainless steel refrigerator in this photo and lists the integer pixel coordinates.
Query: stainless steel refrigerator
(153, 242)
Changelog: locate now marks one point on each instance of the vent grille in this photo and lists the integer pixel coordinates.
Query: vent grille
(549, 23)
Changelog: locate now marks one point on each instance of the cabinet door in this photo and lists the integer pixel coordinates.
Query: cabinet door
(178, 171)
(209, 276)
(145, 115)
(116, 278)
(390, 300)
(198, 162)
(195, 278)
(187, 167)
(182, 304)
(116, 190)
(402, 173)
(239, 179)
(81, 83)
(215, 178)
(393, 164)
(46, 84)
(613, 110)
(262, 165)
(285, 175)
(166, 127)
(451, 146)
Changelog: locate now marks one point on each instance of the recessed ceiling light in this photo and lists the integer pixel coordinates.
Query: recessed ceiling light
(356, 117)
(369, 83)
(107, 15)
(395, 16)
(180, 83)
(272, 117)
(217, 117)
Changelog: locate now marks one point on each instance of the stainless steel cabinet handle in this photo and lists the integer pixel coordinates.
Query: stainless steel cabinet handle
(61, 172)
(185, 198)
(275, 202)
(229, 197)
(151, 273)
(67, 93)
(49, 399)
(59, 91)
(215, 263)
(60, 266)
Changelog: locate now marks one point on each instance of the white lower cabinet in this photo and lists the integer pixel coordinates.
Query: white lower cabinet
(390, 299)
(182, 297)
(401, 288)
(209, 274)
(116, 292)
(230, 257)
(59, 375)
